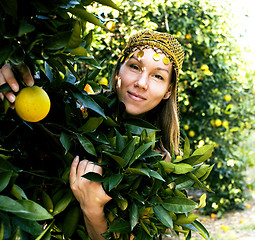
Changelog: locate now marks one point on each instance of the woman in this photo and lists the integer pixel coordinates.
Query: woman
(145, 80)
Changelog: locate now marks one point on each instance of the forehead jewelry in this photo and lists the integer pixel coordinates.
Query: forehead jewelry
(160, 42)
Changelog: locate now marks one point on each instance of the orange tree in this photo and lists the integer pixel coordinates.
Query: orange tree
(215, 97)
(149, 195)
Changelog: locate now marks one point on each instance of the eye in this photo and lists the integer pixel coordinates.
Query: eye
(158, 76)
(134, 66)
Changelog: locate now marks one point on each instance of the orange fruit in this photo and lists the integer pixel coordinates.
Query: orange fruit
(111, 25)
(218, 122)
(32, 104)
(191, 133)
(227, 97)
(89, 89)
(186, 127)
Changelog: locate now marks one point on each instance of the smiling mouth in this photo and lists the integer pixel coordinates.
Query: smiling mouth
(135, 96)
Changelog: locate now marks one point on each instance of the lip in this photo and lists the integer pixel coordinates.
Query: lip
(136, 96)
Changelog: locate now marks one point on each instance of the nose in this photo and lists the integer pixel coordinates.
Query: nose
(142, 81)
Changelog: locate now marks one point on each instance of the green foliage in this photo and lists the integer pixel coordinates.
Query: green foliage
(211, 71)
(148, 195)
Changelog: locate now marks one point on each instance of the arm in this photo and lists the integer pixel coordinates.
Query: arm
(91, 197)
(7, 76)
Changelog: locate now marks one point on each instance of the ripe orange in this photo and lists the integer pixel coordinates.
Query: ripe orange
(227, 97)
(218, 122)
(32, 104)
(186, 127)
(191, 133)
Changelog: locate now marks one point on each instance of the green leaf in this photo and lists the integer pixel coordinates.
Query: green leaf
(128, 151)
(80, 12)
(89, 103)
(57, 41)
(5, 87)
(201, 170)
(179, 205)
(120, 227)
(24, 208)
(109, 3)
(163, 216)
(5, 179)
(207, 173)
(182, 168)
(198, 227)
(137, 171)
(168, 166)
(87, 145)
(92, 176)
(134, 215)
(98, 136)
(25, 28)
(115, 180)
(155, 174)
(29, 226)
(92, 124)
(200, 184)
(185, 218)
(202, 201)
(65, 141)
(118, 159)
(186, 152)
(46, 231)
(137, 126)
(183, 182)
(136, 196)
(5, 53)
(140, 151)
(205, 151)
(63, 203)
(120, 142)
(10, 7)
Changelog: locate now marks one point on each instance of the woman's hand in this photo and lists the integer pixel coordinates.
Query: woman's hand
(90, 195)
(7, 76)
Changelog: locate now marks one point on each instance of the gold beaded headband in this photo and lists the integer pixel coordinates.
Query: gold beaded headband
(161, 43)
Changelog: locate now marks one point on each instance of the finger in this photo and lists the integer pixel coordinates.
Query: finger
(8, 77)
(10, 96)
(98, 169)
(90, 167)
(73, 169)
(82, 167)
(26, 74)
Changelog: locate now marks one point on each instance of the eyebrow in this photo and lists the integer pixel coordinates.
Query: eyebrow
(158, 68)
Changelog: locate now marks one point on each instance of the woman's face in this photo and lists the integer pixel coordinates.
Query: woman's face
(143, 82)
